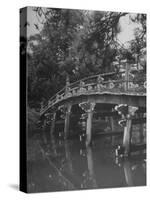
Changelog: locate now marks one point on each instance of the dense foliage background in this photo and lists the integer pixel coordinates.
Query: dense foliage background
(76, 44)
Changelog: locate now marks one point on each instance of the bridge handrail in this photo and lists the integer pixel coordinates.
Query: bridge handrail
(83, 79)
(72, 87)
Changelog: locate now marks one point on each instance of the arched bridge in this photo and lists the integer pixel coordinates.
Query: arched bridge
(95, 89)
(128, 94)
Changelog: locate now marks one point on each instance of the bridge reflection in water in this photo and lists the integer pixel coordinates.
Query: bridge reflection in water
(56, 164)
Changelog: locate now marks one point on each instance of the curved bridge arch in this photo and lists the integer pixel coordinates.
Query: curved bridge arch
(95, 89)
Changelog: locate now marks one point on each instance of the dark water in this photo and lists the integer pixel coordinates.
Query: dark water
(56, 165)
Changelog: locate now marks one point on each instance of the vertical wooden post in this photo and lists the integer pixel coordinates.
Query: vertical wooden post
(67, 120)
(112, 129)
(53, 123)
(127, 136)
(127, 113)
(89, 127)
(88, 107)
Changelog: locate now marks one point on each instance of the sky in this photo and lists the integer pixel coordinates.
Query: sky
(127, 28)
(126, 25)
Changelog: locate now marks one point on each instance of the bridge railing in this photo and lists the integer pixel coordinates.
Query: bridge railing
(96, 84)
(85, 80)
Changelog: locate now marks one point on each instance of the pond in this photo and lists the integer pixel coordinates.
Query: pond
(55, 164)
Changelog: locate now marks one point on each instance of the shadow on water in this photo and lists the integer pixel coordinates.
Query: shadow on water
(55, 164)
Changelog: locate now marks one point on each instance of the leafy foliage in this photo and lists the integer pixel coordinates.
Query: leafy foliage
(72, 43)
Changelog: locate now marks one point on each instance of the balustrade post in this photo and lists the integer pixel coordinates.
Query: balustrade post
(88, 107)
(99, 82)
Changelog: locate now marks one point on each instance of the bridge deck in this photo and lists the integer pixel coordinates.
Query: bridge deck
(94, 88)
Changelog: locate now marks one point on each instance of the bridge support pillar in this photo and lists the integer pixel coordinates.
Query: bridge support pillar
(66, 111)
(127, 136)
(112, 129)
(89, 128)
(127, 113)
(88, 107)
(67, 120)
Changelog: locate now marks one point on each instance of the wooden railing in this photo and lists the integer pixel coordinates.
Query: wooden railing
(96, 85)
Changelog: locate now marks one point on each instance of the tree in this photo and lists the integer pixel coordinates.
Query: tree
(72, 43)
